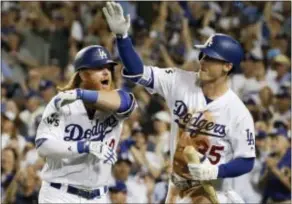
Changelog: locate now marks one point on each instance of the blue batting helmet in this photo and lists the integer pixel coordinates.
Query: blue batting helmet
(222, 47)
(94, 56)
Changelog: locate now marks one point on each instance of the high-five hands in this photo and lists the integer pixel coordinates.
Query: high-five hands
(114, 15)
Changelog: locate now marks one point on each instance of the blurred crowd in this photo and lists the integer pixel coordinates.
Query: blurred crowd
(40, 39)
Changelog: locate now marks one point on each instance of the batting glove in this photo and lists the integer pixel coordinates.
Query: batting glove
(98, 149)
(66, 97)
(203, 172)
(114, 15)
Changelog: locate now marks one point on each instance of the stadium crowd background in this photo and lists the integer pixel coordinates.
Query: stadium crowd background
(40, 39)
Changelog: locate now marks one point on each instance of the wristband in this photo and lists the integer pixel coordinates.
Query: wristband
(88, 96)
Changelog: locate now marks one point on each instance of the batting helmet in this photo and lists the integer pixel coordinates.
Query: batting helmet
(94, 56)
(222, 47)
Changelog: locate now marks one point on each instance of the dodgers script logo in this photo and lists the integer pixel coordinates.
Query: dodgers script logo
(197, 123)
(75, 132)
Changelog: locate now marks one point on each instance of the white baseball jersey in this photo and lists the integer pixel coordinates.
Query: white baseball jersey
(230, 129)
(70, 125)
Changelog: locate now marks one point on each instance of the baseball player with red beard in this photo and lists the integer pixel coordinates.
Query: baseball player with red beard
(80, 131)
(206, 115)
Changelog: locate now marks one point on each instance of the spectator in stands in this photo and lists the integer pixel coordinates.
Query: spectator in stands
(34, 26)
(47, 91)
(30, 157)
(160, 138)
(16, 57)
(60, 41)
(252, 86)
(276, 173)
(136, 188)
(10, 109)
(282, 107)
(252, 107)
(34, 79)
(238, 81)
(10, 165)
(118, 193)
(146, 161)
(282, 67)
(161, 186)
(10, 134)
(24, 187)
(31, 116)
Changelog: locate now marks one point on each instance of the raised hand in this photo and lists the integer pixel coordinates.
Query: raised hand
(114, 15)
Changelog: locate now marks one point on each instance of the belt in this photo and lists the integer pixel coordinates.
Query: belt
(90, 194)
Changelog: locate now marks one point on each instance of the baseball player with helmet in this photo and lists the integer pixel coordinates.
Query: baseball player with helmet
(80, 131)
(212, 132)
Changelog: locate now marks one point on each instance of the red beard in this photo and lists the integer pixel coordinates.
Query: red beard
(91, 85)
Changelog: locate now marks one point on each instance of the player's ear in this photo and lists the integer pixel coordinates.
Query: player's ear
(227, 67)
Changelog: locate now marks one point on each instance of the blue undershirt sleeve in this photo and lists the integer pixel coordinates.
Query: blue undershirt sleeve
(236, 167)
(131, 60)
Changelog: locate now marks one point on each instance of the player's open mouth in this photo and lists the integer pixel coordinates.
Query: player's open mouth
(105, 82)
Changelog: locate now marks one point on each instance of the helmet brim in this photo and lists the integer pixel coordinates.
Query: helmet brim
(111, 62)
(209, 52)
(97, 66)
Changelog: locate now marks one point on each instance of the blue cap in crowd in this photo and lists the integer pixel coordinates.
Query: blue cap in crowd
(261, 134)
(32, 94)
(119, 186)
(46, 84)
(250, 15)
(279, 132)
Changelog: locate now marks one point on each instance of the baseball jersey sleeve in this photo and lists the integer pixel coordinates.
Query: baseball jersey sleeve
(130, 106)
(52, 121)
(49, 133)
(243, 137)
(155, 79)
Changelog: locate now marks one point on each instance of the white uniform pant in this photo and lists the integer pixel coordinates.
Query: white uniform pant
(223, 197)
(49, 194)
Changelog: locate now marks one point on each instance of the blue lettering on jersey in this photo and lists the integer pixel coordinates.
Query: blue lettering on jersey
(197, 125)
(75, 132)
